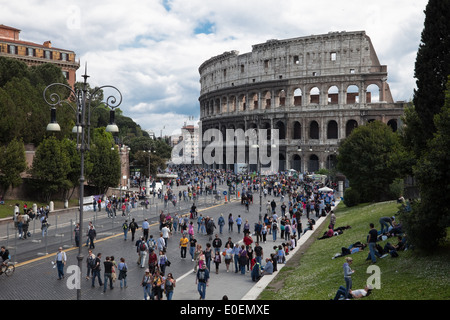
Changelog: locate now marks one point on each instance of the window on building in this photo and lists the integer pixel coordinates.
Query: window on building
(12, 49)
(352, 71)
(47, 54)
(266, 64)
(242, 68)
(333, 56)
(31, 52)
(63, 56)
(296, 60)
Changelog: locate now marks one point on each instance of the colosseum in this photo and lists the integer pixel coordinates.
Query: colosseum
(315, 90)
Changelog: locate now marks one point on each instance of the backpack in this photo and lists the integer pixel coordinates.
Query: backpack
(142, 246)
(91, 262)
(201, 275)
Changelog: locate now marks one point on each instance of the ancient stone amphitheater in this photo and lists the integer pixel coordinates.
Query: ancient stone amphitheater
(315, 90)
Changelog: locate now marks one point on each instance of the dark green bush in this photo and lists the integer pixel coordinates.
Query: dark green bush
(351, 197)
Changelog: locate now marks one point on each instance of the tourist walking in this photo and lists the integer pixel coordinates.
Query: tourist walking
(123, 269)
(202, 281)
(60, 260)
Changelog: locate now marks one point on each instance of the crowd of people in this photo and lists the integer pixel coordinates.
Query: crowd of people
(287, 199)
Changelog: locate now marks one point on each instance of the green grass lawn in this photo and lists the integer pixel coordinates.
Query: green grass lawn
(314, 275)
(7, 209)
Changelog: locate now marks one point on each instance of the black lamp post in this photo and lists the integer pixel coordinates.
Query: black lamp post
(82, 98)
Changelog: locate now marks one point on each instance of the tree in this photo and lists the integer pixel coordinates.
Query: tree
(73, 175)
(12, 164)
(50, 167)
(432, 67)
(429, 219)
(369, 159)
(105, 161)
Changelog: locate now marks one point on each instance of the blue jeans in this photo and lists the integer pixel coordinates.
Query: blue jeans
(236, 263)
(148, 291)
(201, 288)
(242, 267)
(373, 252)
(169, 295)
(348, 285)
(95, 274)
(340, 293)
(60, 267)
(274, 234)
(105, 281)
(123, 282)
(125, 232)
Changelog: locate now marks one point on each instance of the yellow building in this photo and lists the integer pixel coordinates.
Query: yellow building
(34, 54)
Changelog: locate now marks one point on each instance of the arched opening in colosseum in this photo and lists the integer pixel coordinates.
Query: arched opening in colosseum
(281, 129)
(314, 96)
(297, 131)
(352, 94)
(313, 164)
(332, 130)
(232, 104)
(255, 102)
(281, 162)
(314, 130)
(281, 98)
(298, 97)
(267, 127)
(224, 106)
(242, 102)
(350, 126)
(393, 124)
(267, 100)
(372, 94)
(333, 95)
(297, 162)
(211, 108)
(217, 106)
(331, 161)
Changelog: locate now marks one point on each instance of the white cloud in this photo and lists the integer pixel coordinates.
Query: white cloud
(149, 50)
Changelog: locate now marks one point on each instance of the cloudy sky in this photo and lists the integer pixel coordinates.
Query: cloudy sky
(151, 49)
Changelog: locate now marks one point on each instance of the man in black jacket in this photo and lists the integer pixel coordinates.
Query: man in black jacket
(217, 244)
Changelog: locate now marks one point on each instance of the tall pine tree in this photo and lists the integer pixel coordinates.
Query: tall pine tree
(432, 66)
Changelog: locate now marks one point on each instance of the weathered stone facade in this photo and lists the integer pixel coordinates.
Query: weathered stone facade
(315, 90)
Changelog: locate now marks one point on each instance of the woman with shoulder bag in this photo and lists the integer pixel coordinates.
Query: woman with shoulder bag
(122, 273)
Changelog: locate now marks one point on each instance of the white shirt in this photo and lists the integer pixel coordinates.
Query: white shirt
(61, 256)
(165, 231)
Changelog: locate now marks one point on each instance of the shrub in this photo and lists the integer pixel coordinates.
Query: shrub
(351, 197)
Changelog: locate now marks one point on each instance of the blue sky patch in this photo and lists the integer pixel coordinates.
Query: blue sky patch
(205, 27)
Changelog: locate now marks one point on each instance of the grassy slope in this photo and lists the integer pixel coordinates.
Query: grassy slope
(315, 276)
(7, 209)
